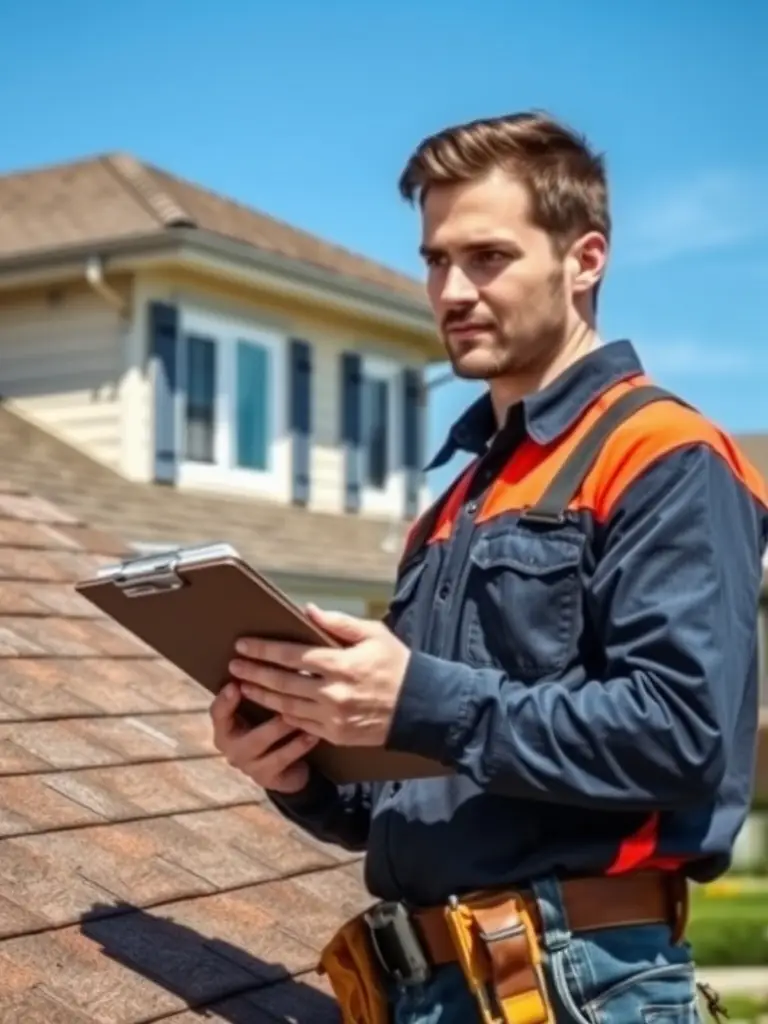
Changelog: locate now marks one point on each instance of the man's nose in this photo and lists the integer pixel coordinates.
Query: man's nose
(458, 289)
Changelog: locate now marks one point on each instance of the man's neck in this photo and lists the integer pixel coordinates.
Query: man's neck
(506, 391)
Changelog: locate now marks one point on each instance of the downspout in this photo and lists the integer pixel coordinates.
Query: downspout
(94, 275)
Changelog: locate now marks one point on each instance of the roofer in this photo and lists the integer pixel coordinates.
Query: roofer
(573, 633)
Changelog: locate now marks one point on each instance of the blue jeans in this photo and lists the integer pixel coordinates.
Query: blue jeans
(632, 975)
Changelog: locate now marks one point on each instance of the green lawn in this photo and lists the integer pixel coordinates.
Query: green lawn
(729, 923)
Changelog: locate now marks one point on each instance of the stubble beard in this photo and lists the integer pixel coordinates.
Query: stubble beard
(524, 347)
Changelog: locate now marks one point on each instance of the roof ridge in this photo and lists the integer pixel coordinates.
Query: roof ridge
(138, 178)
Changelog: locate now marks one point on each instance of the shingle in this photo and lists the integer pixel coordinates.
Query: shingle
(240, 1010)
(209, 858)
(240, 931)
(301, 1001)
(35, 1006)
(43, 888)
(85, 972)
(122, 869)
(29, 804)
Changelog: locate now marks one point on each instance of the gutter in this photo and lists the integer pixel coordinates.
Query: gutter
(192, 245)
(94, 275)
(301, 272)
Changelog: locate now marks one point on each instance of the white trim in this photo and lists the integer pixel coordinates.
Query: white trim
(226, 331)
(389, 500)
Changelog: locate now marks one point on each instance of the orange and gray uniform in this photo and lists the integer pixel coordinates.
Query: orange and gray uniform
(593, 682)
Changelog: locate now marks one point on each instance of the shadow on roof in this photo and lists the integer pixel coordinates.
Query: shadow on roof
(212, 978)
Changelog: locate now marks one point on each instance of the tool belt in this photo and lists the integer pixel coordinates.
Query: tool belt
(495, 939)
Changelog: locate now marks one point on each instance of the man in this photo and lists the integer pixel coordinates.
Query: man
(589, 676)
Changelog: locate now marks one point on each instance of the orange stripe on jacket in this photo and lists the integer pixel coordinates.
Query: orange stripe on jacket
(647, 436)
(452, 508)
(532, 467)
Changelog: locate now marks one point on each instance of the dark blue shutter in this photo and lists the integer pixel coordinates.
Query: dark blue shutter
(164, 364)
(412, 439)
(300, 417)
(351, 399)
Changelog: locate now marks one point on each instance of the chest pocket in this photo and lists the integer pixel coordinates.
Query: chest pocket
(524, 601)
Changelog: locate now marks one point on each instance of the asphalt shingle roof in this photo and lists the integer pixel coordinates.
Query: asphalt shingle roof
(141, 879)
(116, 197)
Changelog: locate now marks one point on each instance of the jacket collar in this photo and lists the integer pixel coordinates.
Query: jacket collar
(548, 413)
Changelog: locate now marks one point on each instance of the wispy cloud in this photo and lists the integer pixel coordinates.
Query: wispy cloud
(686, 358)
(713, 210)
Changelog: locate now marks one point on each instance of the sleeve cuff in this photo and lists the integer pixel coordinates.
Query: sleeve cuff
(430, 716)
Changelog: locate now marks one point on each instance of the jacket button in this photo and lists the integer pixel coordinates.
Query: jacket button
(472, 507)
(396, 787)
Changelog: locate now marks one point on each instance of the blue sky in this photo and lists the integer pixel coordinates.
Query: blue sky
(307, 110)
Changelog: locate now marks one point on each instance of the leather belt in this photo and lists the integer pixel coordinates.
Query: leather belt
(590, 904)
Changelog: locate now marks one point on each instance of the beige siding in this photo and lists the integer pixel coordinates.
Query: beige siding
(60, 360)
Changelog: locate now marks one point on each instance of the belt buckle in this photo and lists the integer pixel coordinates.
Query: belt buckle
(396, 943)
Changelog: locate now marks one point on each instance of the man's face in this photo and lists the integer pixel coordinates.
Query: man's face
(499, 292)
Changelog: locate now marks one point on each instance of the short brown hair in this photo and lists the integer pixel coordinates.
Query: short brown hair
(565, 180)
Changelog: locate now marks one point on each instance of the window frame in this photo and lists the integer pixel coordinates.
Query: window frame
(226, 332)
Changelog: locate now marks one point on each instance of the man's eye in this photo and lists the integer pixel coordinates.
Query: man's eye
(489, 256)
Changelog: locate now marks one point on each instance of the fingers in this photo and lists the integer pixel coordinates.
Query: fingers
(346, 628)
(293, 657)
(285, 654)
(269, 767)
(223, 711)
(282, 705)
(255, 743)
(278, 679)
(312, 726)
(229, 734)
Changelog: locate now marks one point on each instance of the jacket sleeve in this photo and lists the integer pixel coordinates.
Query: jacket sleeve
(674, 601)
(331, 813)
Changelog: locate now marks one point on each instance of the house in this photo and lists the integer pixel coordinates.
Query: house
(179, 368)
(141, 878)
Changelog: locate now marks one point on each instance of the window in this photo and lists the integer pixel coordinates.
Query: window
(253, 413)
(234, 426)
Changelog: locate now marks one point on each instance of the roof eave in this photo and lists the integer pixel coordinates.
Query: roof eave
(220, 256)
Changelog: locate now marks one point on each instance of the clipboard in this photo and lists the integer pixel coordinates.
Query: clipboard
(192, 604)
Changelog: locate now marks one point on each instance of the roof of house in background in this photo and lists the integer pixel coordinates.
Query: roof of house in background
(141, 878)
(117, 197)
(276, 538)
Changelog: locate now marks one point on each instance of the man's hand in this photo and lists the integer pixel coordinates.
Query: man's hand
(344, 696)
(249, 748)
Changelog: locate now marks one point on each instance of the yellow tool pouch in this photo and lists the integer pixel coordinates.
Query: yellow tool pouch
(349, 964)
(499, 952)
